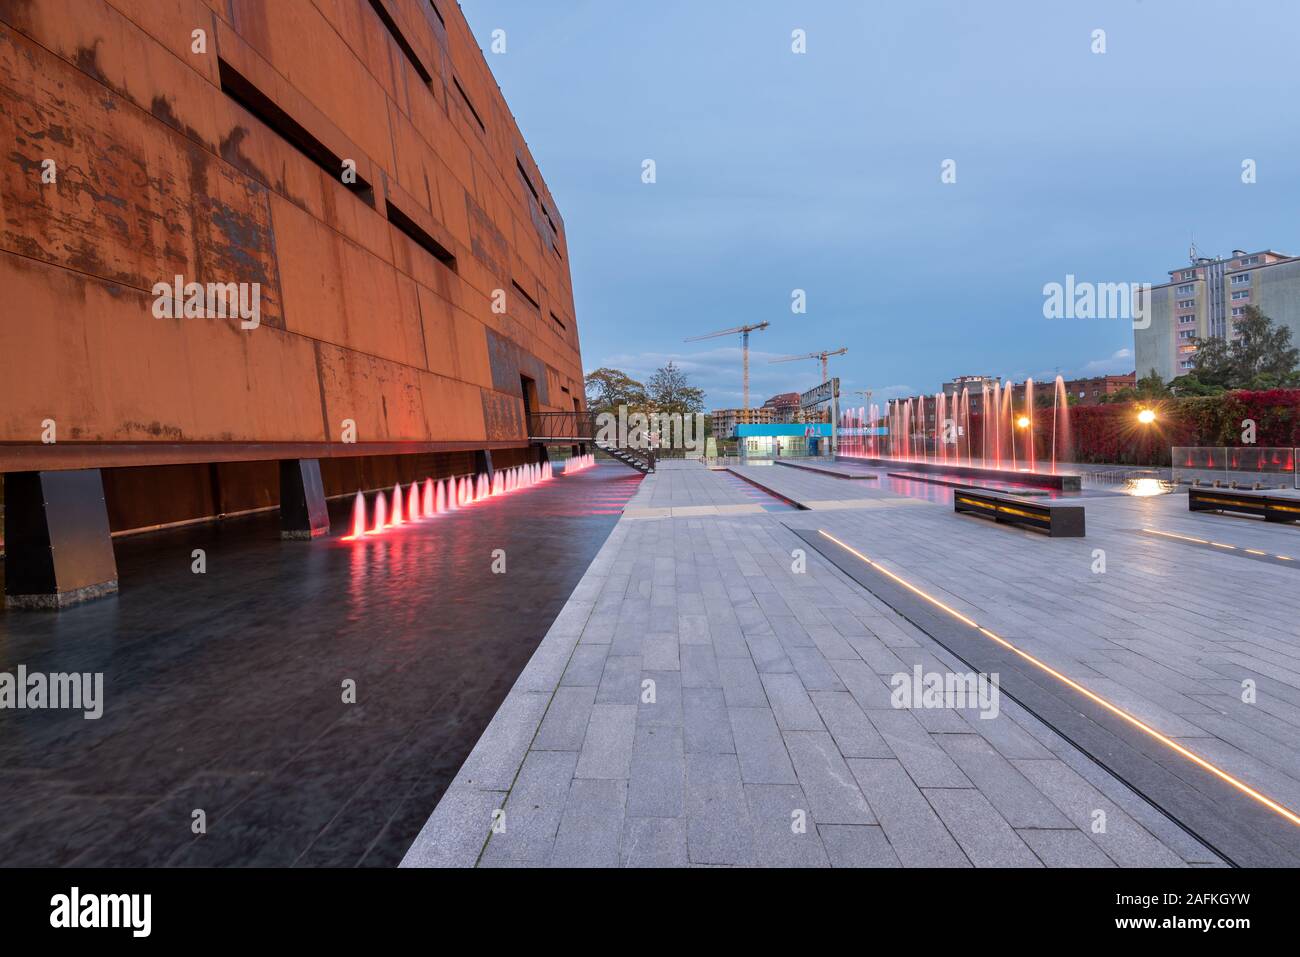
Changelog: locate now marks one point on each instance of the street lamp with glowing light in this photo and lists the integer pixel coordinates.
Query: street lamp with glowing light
(1147, 416)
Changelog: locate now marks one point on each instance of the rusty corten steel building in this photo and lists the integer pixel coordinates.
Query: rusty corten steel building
(356, 160)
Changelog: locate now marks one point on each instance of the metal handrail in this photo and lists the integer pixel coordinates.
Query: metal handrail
(577, 426)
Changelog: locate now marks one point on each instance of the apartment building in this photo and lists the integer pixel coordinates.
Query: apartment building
(785, 407)
(724, 421)
(1205, 298)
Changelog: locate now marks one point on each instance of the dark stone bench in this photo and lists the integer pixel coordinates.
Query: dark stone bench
(1056, 520)
(1268, 505)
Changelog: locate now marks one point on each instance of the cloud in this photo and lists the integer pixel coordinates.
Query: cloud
(884, 394)
(1117, 363)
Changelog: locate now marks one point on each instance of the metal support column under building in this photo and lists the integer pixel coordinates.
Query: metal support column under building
(58, 550)
(303, 514)
(483, 463)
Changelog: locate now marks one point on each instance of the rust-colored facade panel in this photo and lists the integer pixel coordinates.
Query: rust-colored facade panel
(313, 59)
(366, 37)
(171, 23)
(503, 415)
(455, 342)
(292, 110)
(444, 129)
(349, 165)
(415, 164)
(90, 355)
(453, 201)
(252, 148)
(133, 201)
(380, 398)
(343, 294)
(154, 70)
(455, 406)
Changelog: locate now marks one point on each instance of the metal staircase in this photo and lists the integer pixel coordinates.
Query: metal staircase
(578, 429)
(643, 460)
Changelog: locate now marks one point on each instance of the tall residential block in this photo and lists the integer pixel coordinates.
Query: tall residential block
(1205, 298)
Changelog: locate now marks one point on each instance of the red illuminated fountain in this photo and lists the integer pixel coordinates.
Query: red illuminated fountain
(397, 505)
(416, 504)
(358, 517)
(578, 463)
(985, 431)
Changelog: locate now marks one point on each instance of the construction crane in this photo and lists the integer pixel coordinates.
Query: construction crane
(823, 356)
(744, 332)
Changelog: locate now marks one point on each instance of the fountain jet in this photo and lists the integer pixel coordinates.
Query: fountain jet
(397, 505)
(358, 516)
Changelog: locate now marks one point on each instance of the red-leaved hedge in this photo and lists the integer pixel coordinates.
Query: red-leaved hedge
(1112, 433)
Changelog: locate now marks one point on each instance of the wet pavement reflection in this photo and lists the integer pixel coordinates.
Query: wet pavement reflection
(224, 690)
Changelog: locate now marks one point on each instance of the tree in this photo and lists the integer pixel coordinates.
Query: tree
(1047, 399)
(1267, 380)
(670, 391)
(1261, 351)
(1149, 387)
(608, 388)
(1212, 365)
(1260, 356)
(1190, 385)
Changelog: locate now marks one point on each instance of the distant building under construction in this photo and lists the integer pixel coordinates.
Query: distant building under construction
(785, 407)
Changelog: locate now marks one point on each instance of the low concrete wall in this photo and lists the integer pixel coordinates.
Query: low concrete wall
(1065, 483)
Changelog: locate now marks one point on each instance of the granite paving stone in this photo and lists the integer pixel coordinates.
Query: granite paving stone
(773, 691)
(760, 747)
(785, 834)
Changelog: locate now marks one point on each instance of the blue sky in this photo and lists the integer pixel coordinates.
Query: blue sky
(821, 172)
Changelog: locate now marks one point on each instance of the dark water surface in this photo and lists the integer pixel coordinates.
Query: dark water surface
(223, 691)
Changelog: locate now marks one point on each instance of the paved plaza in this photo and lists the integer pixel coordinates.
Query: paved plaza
(771, 698)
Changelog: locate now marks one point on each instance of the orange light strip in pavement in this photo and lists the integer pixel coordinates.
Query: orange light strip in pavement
(1119, 712)
(1231, 548)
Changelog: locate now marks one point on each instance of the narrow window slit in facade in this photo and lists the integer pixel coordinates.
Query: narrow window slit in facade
(541, 206)
(243, 92)
(400, 38)
(418, 236)
(523, 292)
(528, 181)
(465, 96)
